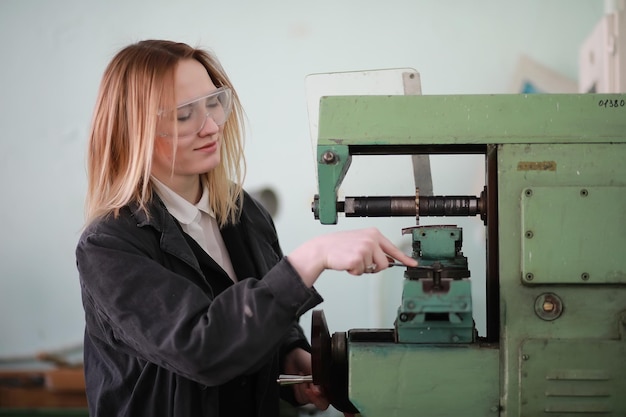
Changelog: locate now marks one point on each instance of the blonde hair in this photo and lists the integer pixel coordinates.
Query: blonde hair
(137, 83)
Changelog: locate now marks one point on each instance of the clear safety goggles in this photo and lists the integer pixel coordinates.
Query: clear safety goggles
(191, 116)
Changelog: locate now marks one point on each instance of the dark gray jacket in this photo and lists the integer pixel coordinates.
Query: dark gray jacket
(158, 342)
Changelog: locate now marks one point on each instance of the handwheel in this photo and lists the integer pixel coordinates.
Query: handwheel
(329, 361)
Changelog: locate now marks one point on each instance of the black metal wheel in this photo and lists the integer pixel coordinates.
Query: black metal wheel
(330, 363)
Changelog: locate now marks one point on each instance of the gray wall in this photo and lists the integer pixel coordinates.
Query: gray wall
(53, 53)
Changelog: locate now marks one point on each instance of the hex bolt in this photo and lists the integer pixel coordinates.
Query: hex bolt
(548, 306)
(329, 157)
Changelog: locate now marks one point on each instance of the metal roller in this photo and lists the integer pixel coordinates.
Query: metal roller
(418, 206)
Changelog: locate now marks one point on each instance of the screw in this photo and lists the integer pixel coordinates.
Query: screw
(525, 357)
(584, 276)
(529, 276)
(529, 234)
(584, 192)
(528, 192)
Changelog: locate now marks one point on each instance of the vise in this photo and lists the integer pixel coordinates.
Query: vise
(436, 304)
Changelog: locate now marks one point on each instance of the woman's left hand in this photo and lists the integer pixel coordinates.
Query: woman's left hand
(298, 362)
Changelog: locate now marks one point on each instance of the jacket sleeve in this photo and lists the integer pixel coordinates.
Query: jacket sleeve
(135, 304)
(262, 229)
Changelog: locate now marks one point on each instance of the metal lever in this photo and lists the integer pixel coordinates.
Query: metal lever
(294, 379)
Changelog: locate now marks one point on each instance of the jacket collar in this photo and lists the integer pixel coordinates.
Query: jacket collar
(255, 226)
(172, 239)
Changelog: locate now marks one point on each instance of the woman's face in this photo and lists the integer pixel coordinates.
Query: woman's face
(197, 151)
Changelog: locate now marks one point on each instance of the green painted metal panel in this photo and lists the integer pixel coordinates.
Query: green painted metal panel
(589, 313)
(561, 377)
(402, 380)
(472, 119)
(573, 235)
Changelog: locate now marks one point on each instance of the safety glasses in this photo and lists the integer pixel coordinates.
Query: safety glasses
(190, 117)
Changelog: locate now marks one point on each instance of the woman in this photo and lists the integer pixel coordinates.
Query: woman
(191, 308)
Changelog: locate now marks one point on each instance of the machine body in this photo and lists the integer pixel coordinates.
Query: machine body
(554, 209)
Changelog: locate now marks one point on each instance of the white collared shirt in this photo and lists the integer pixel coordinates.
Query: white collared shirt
(199, 222)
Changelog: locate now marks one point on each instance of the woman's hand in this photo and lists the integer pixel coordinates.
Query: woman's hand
(298, 362)
(356, 252)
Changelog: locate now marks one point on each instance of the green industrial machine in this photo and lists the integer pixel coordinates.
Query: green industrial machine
(554, 212)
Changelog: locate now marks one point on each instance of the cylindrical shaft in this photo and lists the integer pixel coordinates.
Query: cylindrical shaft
(458, 206)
